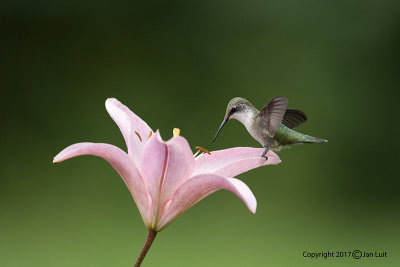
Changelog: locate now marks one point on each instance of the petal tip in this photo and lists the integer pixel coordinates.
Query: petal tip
(275, 161)
(59, 158)
(253, 206)
(110, 101)
(273, 158)
(157, 133)
(56, 159)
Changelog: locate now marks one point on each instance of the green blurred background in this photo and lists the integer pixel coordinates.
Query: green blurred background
(177, 64)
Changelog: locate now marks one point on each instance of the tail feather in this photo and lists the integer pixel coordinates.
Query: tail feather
(311, 139)
(286, 136)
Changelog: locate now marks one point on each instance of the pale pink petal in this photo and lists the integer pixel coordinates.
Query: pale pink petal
(197, 188)
(179, 167)
(165, 166)
(233, 161)
(152, 167)
(128, 122)
(121, 162)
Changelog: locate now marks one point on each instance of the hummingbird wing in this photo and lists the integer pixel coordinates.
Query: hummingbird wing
(293, 118)
(272, 114)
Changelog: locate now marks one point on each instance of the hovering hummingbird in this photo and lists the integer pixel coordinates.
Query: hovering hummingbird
(272, 126)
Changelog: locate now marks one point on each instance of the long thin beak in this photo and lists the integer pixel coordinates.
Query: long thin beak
(220, 127)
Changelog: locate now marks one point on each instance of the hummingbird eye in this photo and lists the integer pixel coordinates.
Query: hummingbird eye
(233, 109)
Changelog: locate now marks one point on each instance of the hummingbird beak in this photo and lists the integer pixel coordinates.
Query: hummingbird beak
(220, 127)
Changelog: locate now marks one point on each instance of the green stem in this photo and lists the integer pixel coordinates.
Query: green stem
(147, 245)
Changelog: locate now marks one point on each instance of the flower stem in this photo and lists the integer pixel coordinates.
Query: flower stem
(147, 245)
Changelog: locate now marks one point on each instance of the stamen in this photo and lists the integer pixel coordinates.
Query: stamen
(203, 149)
(151, 132)
(195, 154)
(176, 131)
(138, 135)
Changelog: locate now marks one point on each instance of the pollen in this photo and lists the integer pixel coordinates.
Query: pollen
(151, 132)
(203, 149)
(176, 131)
(138, 135)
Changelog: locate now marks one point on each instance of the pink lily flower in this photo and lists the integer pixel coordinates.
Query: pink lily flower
(165, 178)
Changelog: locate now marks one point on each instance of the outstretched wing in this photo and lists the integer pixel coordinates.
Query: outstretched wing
(293, 118)
(272, 114)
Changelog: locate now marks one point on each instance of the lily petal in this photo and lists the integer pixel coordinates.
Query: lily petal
(152, 167)
(233, 161)
(197, 188)
(179, 167)
(120, 161)
(128, 122)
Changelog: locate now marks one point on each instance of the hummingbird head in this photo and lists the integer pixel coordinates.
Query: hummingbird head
(238, 108)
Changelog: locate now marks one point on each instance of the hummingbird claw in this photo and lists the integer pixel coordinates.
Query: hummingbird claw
(265, 153)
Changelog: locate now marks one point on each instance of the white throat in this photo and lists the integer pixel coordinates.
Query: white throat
(246, 117)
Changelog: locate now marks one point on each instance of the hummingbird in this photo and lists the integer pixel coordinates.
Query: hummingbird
(273, 126)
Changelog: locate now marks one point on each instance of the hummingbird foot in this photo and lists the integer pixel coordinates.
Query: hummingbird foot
(265, 152)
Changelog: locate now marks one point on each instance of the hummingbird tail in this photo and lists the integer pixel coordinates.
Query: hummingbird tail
(288, 136)
(311, 139)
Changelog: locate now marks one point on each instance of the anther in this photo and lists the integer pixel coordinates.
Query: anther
(138, 135)
(151, 132)
(203, 149)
